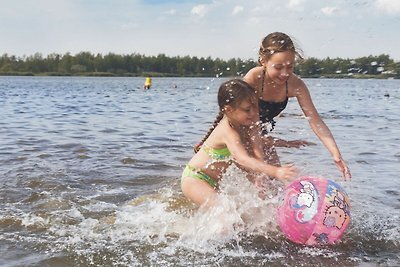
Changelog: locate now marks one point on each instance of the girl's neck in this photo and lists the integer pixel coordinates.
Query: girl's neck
(271, 86)
(236, 126)
(268, 82)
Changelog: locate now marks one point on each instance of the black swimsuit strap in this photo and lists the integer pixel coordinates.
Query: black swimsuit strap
(287, 90)
(262, 82)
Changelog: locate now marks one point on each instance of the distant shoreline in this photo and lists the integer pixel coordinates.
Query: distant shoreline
(135, 65)
(169, 75)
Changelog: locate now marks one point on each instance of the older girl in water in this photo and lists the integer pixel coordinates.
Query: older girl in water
(274, 83)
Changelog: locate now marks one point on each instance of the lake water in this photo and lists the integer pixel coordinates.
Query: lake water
(90, 169)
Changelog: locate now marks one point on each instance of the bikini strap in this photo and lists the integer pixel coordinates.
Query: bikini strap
(262, 82)
(287, 90)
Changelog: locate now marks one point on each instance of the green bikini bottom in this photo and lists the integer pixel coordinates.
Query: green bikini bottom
(196, 173)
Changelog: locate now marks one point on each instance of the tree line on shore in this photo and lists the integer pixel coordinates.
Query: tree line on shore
(111, 64)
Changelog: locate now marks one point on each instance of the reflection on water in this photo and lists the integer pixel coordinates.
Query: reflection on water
(90, 173)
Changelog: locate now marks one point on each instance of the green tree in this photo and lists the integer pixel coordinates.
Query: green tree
(137, 64)
(310, 67)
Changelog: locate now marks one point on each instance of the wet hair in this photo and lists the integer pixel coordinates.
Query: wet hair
(231, 93)
(277, 42)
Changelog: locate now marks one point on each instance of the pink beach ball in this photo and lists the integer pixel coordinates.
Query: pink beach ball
(313, 211)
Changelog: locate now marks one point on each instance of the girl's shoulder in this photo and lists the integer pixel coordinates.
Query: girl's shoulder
(296, 85)
(255, 72)
(294, 78)
(218, 136)
(254, 76)
(223, 127)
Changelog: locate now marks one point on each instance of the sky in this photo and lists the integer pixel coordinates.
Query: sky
(203, 28)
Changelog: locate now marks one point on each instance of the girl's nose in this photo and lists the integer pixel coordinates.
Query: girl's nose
(284, 72)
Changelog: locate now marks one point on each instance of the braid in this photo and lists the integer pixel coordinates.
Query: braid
(216, 121)
(219, 117)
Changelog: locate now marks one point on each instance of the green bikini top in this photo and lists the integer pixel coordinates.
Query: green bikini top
(216, 153)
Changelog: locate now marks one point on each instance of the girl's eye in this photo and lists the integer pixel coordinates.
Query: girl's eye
(282, 66)
(247, 110)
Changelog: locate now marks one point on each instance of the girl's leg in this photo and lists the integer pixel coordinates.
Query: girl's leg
(198, 191)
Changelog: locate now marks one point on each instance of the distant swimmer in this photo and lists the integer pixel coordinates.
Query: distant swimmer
(147, 83)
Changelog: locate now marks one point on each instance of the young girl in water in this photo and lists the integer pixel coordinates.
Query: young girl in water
(229, 141)
(274, 83)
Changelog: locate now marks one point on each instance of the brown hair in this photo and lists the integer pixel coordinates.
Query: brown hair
(277, 42)
(231, 93)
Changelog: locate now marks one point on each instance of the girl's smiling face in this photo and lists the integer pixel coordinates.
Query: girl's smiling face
(280, 66)
(245, 114)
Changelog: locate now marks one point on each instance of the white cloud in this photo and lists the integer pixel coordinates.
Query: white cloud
(329, 10)
(237, 10)
(389, 6)
(199, 10)
(295, 4)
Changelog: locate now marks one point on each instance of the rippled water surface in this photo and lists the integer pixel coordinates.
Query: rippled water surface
(90, 169)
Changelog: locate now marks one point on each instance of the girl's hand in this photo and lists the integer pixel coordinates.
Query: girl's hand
(287, 173)
(299, 143)
(342, 166)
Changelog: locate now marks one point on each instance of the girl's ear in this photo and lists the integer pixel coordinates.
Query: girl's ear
(227, 109)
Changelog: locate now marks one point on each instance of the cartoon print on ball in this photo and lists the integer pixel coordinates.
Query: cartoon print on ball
(336, 214)
(314, 211)
(306, 202)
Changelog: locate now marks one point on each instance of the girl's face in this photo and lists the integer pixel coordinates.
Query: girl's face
(280, 66)
(245, 114)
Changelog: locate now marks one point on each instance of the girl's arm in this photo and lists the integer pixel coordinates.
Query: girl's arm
(239, 153)
(257, 142)
(318, 125)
